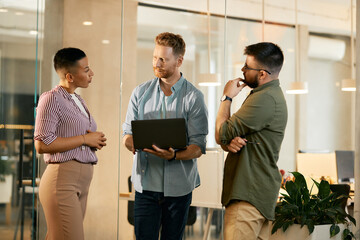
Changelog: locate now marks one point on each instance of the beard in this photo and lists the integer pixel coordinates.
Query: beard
(253, 84)
(163, 73)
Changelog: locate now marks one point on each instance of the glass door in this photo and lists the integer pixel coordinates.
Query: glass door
(19, 60)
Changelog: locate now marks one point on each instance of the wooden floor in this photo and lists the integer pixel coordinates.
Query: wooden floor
(7, 232)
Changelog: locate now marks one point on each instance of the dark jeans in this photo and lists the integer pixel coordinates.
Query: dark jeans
(153, 210)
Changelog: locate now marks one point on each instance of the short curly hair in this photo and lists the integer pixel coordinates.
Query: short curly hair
(175, 41)
(67, 58)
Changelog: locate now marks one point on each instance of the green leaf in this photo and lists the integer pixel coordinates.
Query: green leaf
(300, 181)
(276, 226)
(324, 189)
(291, 189)
(310, 225)
(316, 183)
(345, 233)
(339, 210)
(299, 206)
(348, 235)
(290, 207)
(302, 220)
(334, 229)
(286, 225)
(284, 194)
(351, 219)
(305, 196)
(289, 199)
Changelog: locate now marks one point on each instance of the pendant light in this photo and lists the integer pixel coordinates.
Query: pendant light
(297, 87)
(263, 22)
(349, 84)
(209, 79)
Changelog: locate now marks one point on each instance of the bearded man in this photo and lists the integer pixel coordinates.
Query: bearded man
(252, 136)
(165, 178)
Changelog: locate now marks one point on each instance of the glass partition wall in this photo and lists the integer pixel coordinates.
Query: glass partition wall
(21, 35)
(118, 37)
(204, 35)
(214, 45)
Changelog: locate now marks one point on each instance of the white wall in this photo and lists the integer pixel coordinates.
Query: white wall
(328, 16)
(329, 110)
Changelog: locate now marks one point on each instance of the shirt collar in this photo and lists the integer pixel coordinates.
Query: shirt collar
(64, 92)
(176, 87)
(273, 83)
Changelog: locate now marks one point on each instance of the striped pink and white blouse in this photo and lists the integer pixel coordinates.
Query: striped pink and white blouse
(57, 115)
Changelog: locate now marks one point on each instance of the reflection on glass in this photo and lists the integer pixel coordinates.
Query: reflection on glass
(19, 31)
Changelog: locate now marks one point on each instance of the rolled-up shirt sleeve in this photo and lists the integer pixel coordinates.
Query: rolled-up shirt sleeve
(131, 114)
(47, 118)
(197, 122)
(255, 114)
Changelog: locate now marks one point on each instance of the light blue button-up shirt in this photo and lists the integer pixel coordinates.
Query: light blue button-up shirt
(186, 101)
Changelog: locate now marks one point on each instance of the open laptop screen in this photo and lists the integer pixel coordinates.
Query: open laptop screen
(163, 133)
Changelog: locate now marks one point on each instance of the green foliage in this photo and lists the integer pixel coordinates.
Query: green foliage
(299, 206)
(5, 169)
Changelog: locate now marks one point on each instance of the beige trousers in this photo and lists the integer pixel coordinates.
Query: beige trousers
(63, 194)
(243, 221)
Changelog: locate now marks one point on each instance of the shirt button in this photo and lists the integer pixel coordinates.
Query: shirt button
(142, 171)
(82, 148)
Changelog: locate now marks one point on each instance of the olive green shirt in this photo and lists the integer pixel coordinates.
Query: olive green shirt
(252, 174)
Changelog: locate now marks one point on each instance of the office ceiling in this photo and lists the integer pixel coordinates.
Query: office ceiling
(18, 18)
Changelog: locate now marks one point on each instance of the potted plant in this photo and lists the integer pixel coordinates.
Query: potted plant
(299, 206)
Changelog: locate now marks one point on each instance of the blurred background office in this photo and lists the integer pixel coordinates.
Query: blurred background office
(316, 36)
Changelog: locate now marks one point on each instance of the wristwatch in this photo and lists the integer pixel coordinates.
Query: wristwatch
(224, 98)
(174, 158)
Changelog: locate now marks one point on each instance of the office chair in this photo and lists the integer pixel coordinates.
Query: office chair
(192, 215)
(341, 189)
(130, 214)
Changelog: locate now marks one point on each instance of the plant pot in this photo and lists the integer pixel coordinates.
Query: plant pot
(6, 189)
(295, 232)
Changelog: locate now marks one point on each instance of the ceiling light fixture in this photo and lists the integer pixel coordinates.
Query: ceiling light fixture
(297, 87)
(263, 21)
(87, 23)
(349, 85)
(209, 79)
